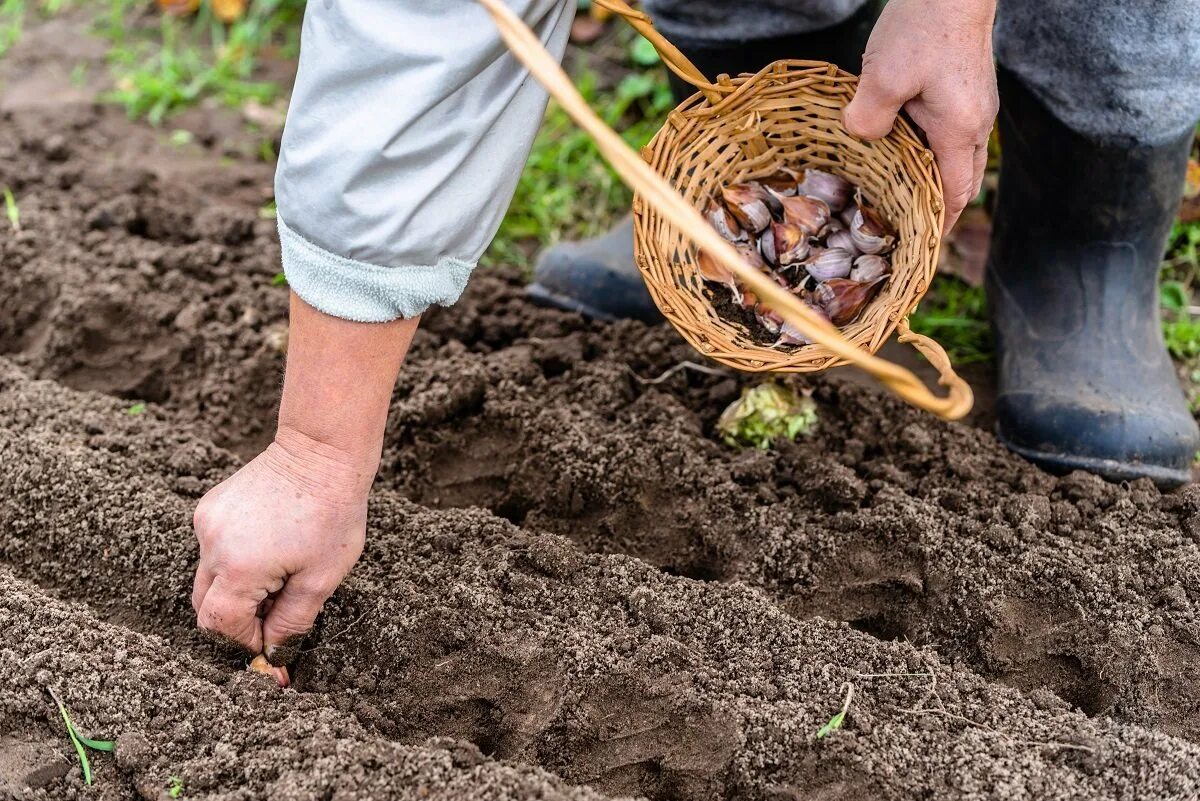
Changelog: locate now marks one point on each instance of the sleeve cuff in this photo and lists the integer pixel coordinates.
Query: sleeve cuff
(367, 293)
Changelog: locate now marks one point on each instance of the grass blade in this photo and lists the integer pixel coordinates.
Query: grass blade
(78, 740)
(10, 209)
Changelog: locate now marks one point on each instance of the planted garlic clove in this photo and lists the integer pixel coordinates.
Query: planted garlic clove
(871, 234)
(725, 223)
(842, 239)
(843, 300)
(259, 664)
(810, 213)
(829, 263)
(790, 244)
(750, 205)
(868, 267)
(834, 190)
(782, 183)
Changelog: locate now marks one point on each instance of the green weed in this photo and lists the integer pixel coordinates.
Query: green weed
(1181, 329)
(191, 59)
(955, 314)
(136, 409)
(279, 280)
(80, 742)
(12, 22)
(835, 722)
(176, 788)
(11, 211)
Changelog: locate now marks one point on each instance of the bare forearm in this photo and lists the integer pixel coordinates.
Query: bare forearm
(338, 385)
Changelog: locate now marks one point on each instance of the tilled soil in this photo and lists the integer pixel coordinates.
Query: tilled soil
(571, 588)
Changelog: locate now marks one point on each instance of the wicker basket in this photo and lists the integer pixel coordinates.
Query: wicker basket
(789, 114)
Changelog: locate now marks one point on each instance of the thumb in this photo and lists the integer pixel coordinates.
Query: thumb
(873, 109)
(291, 617)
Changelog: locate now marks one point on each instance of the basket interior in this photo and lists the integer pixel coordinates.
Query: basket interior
(787, 115)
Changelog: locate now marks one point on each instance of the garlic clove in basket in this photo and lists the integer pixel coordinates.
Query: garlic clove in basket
(769, 319)
(751, 255)
(810, 213)
(843, 300)
(790, 243)
(749, 299)
(870, 233)
(766, 246)
(869, 266)
(834, 190)
(750, 205)
(829, 263)
(782, 182)
(841, 239)
(714, 271)
(846, 216)
(725, 223)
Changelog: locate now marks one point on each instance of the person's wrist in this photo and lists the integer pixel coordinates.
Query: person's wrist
(321, 469)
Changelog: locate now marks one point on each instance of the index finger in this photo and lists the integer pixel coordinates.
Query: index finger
(231, 614)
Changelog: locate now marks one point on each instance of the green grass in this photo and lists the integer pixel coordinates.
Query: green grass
(176, 787)
(81, 743)
(11, 210)
(187, 60)
(955, 314)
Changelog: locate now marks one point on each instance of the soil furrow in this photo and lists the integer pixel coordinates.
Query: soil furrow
(602, 669)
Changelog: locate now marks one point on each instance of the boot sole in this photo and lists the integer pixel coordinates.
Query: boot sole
(545, 297)
(1111, 469)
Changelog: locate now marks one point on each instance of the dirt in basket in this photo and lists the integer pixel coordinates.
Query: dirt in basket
(570, 584)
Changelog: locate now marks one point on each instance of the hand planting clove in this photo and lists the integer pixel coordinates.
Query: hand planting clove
(259, 664)
(814, 233)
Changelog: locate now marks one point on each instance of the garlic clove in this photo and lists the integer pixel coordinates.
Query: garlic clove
(749, 204)
(871, 234)
(843, 300)
(751, 255)
(766, 246)
(259, 664)
(810, 213)
(725, 223)
(782, 182)
(869, 266)
(833, 190)
(829, 263)
(847, 214)
(769, 320)
(842, 239)
(790, 244)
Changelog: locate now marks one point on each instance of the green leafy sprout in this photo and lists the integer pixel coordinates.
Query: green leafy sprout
(176, 788)
(11, 211)
(279, 279)
(136, 409)
(81, 743)
(835, 722)
(765, 413)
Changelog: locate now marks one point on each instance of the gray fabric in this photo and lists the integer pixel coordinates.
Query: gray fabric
(1107, 68)
(724, 21)
(407, 132)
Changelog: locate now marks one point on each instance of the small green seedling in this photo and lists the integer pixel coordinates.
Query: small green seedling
(835, 722)
(765, 413)
(80, 742)
(279, 280)
(136, 409)
(181, 137)
(176, 788)
(267, 211)
(11, 210)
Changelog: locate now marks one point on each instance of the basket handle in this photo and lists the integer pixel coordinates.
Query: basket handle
(671, 55)
(655, 190)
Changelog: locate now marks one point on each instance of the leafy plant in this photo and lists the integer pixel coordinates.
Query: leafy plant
(764, 414)
(80, 742)
(279, 280)
(1181, 330)
(176, 788)
(136, 409)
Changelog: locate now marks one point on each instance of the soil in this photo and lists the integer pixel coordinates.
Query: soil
(571, 588)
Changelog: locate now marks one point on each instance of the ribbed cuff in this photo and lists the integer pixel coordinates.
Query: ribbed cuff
(367, 293)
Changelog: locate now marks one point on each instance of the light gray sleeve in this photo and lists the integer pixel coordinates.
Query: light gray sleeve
(408, 128)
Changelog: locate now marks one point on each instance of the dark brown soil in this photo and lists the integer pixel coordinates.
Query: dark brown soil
(571, 588)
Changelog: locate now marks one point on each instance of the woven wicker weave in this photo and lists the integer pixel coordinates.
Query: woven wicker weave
(789, 114)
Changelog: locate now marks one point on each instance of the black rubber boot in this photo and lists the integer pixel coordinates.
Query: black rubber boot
(597, 277)
(1072, 281)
